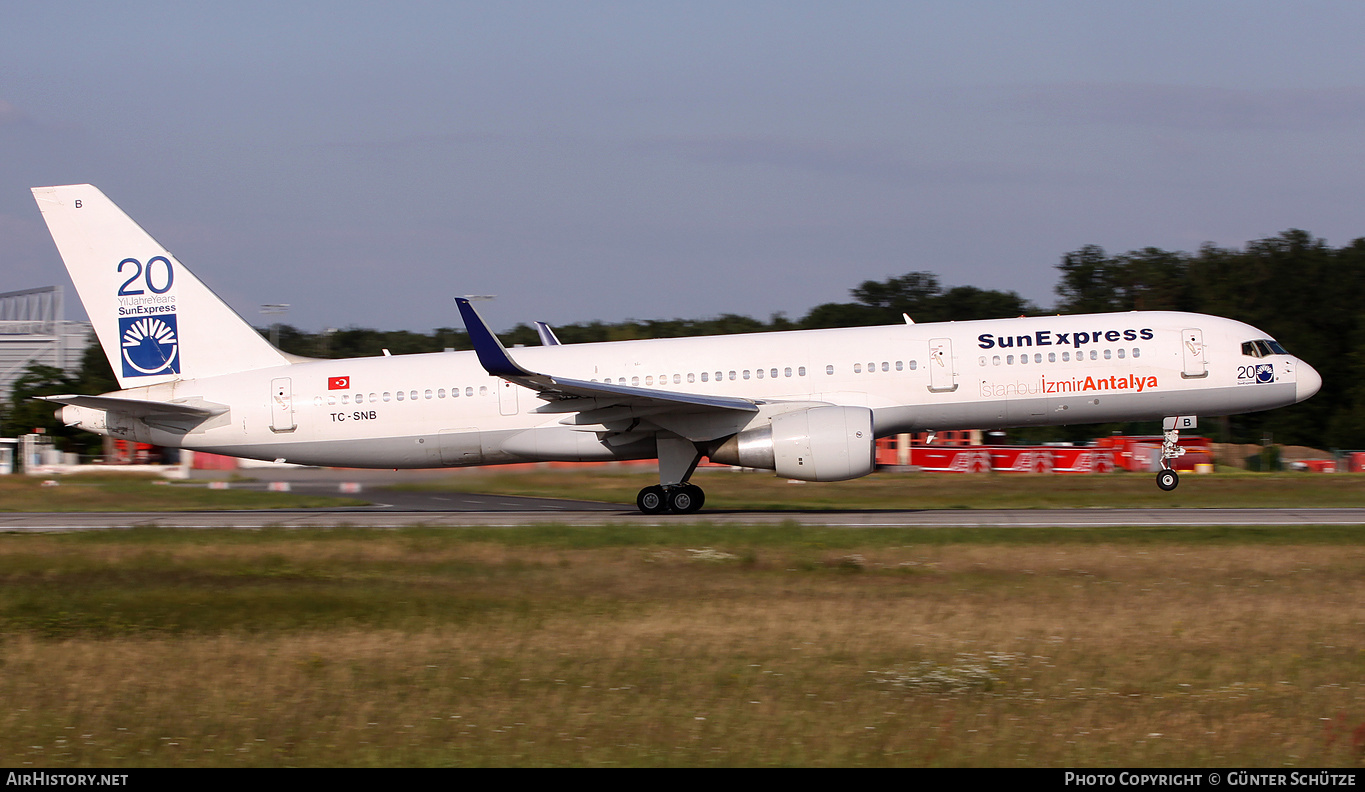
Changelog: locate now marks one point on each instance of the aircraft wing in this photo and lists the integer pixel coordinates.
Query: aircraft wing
(547, 335)
(140, 408)
(496, 361)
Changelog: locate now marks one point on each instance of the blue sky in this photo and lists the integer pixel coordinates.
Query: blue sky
(366, 162)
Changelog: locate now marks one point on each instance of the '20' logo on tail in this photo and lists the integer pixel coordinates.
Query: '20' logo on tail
(150, 345)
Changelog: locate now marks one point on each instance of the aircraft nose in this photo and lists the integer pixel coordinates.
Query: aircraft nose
(1307, 382)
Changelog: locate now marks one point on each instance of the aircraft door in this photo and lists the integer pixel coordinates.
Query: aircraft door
(941, 373)
(507, 397)
(1192, 348)
(281, 405)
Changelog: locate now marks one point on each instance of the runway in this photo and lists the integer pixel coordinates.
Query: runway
(604, 514)
(379, 505)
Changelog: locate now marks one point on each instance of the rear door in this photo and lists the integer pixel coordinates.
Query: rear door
(281, 405)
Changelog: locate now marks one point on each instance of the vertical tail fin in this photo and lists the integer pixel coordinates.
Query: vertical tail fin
(156, 321)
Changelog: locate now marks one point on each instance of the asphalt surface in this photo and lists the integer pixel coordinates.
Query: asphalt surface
(378, 506)
(385, 517)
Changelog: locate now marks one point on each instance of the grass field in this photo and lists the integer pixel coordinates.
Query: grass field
(122, 492)
(760, 491)
(690, 645)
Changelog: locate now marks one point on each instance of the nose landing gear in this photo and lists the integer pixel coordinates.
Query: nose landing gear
(1167, 479)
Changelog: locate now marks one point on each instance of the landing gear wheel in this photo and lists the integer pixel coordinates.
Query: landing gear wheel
(652, 500)
(1167, 480)
(685, 499)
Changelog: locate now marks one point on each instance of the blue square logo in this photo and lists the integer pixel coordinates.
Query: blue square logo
(149, 345)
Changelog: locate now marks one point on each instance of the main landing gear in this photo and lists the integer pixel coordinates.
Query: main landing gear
(1168, 479)
(679, 499)
(677, 459)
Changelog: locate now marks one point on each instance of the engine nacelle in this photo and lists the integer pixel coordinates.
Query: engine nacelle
(817, 444)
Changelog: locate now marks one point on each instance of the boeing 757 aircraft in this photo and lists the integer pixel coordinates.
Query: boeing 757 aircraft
(807, 404)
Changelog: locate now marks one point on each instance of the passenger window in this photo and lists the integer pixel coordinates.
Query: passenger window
(703, 376)
(469, 391)
(1066, 357)
(649, 380)
(317, 401)
(360, 398)
(1037, 357)
(483, 390)
(677, 379)
(1137, 352)
(1108, 354)
(772, 374)
(428, 393)
(692, 377)
(400, 395)
(829, 370)
(914, 364)
(982, 360)
(635, 381)
(760, 373)
(995, 361)
(413, 395)
(440, 393)
(857, 368)
(1023, 359)
(1120, 354)
(1094, 354)
(1009, 360)
(801, 371)
(886, 366)
(386, 395)
(900, 365)
(732, 376)
(787, 371)
(1052, 357)
(746, 373)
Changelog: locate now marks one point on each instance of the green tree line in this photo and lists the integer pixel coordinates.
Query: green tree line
(1293, 286)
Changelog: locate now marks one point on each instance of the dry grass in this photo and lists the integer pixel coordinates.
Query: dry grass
(748, 653)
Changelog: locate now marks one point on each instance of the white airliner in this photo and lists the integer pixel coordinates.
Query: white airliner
(807, 404)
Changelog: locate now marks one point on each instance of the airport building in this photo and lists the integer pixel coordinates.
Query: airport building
(32, 331)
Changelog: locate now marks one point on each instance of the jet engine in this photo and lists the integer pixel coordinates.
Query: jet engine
(816, 444)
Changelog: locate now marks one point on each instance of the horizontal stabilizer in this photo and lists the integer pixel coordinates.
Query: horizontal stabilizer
(140, 408)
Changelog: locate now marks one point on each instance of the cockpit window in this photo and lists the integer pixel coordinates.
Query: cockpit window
(1261, 348)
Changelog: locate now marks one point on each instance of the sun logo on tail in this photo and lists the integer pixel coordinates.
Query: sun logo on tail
(150, 346)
